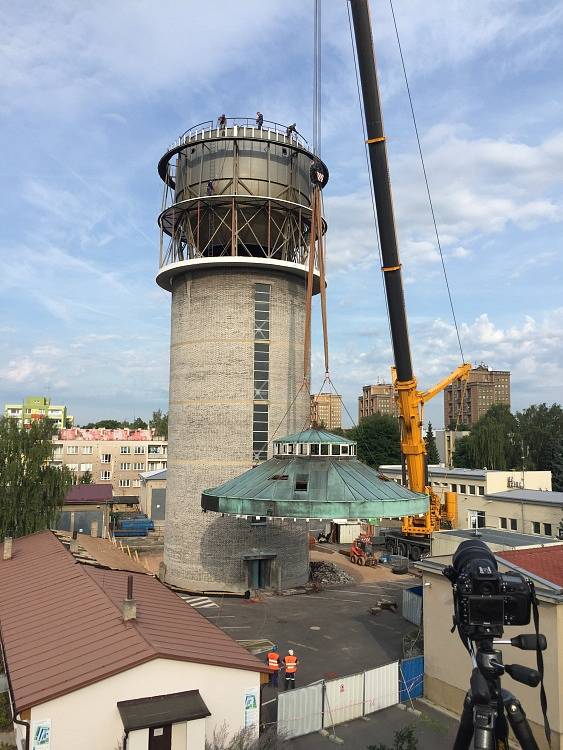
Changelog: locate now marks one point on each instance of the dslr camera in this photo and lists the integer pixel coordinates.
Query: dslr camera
(482, 595)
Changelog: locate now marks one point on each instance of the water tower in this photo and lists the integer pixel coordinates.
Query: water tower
(235, 239)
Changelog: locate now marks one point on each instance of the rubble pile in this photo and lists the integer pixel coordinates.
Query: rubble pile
(328, 573)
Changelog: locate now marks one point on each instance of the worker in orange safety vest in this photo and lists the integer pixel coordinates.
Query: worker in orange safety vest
(273, 661)
(290, 663)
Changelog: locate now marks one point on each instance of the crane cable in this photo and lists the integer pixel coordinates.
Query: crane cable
(426, 180)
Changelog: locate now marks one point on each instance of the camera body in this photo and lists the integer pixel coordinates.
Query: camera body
(483, 595)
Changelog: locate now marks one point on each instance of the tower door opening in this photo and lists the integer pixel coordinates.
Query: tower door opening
(259, 573)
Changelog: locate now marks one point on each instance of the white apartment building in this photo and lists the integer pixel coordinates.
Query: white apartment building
(512, 500)
(114, 457)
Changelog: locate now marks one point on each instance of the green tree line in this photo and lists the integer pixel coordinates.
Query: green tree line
(531, 439)
(158, 421)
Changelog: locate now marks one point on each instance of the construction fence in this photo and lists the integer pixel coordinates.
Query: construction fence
(326, 703)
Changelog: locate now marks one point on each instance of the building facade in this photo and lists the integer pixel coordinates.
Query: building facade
(35, 408)
(235, 239)
(512, 500)
(326, 411)
(114, 457)
(378, 398)
(466, 402)
(445, 442)
(152, 497)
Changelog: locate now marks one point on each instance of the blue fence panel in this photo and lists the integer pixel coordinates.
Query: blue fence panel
(411, 678)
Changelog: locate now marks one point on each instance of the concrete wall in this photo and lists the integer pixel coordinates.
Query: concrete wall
(210, 421)
(89, 719)
(447, 666)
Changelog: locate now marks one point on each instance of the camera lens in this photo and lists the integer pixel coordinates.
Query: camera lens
(471, 550)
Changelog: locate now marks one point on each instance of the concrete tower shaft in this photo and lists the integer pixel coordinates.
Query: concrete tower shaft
(235, 232)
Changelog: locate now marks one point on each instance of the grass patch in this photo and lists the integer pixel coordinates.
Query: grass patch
(5, 713)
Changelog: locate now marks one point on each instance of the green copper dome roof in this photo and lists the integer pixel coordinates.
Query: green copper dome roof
(326, 487)
(315, 436)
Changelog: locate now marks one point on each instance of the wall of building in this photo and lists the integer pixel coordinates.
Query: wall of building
(211, 411)
(447, 666)
(89, 719)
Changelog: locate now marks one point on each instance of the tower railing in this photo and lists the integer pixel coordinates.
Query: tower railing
(210, 128)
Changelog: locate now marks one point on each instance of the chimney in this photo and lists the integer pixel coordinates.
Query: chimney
(129, 604)
(7, 548)
(74, 542)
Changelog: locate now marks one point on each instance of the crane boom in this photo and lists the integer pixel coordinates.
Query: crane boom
(410, 400)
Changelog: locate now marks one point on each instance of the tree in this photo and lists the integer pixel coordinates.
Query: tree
(541, 433)
(462, 457)
(31, 489)
(138, 424)
(109, 424)
(86, 478)
(432, 455)
(159, 422)
(379, 440)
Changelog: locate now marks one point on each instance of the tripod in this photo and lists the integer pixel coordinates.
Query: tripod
(487, 705)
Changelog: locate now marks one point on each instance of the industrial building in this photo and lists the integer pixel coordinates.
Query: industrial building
(447, 665)
(326, 411)
(466, 402)
(235, 239)
(513, 500)
(35, 408)
(152, 496)
(99, 658)
(378, 398)
(86, 509)
(115, 457)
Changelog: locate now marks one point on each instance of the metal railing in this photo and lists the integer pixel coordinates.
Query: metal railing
(211, 128)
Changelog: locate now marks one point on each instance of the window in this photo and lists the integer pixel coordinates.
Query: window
(125, 483)
(106, 458)
(261, 371)
(87, 449)
(139, 449)
(105, 475)
(481, 490)
(314, 449)
(136, 483)
(125, 449)
(547, 529)
(325, 449)
(260, 432)
(344, 450)
(85, 467)
(301, 483)
(72, 449)
(471, 489)
(513, 524)
(536, 527)
(503, 523)
(154, 448)
(58, 450)
(462, 489)
(335, 450)
(72, 467)
(476, 519)
(454, 487)
(125, 467)
(262, 293)
(139, 466)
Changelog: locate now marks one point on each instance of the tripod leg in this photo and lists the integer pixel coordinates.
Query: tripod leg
(484, 721)
(518, 722)
(465, 730)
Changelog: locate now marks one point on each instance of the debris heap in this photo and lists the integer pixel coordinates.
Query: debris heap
(328, 573)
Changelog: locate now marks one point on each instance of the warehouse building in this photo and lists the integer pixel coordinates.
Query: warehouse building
(99, 659)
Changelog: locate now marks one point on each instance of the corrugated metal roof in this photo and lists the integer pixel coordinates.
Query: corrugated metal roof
(62, 628)
(536, 497)
(89, 493)
(315, 436)
(542, 562)
(158, 474)
(500, 536)
(442, 471)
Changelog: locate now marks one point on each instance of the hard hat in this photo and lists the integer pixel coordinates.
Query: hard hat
(290, 652)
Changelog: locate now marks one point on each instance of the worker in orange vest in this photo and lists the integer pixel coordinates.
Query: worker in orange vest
(273, 659)
(290, 663)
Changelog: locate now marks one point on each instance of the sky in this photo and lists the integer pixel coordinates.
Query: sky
(92, 94)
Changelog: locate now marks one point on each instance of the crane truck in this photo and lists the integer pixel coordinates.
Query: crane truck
(413, 539)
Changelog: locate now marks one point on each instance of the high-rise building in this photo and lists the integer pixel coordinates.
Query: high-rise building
(466, 403)
(378, 398)
(38, 407)
(114, 457)
(235, 238)
(326, 410)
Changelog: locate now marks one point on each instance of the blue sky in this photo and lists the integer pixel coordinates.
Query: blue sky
(92, 94)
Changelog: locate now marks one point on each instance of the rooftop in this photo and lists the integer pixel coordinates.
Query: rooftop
(315, 436)
(89, 493)
(535, 497)
(441, 471)
(542, 562)
(67, 631)
(158, 474)
(103, 433)
(501, 536)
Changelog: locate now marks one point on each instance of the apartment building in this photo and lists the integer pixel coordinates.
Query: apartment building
(512, 500)
(466, 403)
(326, 410)
(378, 398)
(112, 456)
(38, 407)
(445, 442)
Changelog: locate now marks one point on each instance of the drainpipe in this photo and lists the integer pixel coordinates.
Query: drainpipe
(15, 720)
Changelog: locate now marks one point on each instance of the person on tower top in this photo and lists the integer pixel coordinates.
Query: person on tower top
(222, 121)
(259, 120)
(291, 129)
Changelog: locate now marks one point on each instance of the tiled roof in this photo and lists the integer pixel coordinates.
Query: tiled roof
(544, 562)
(62, 627)
(90, 493)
